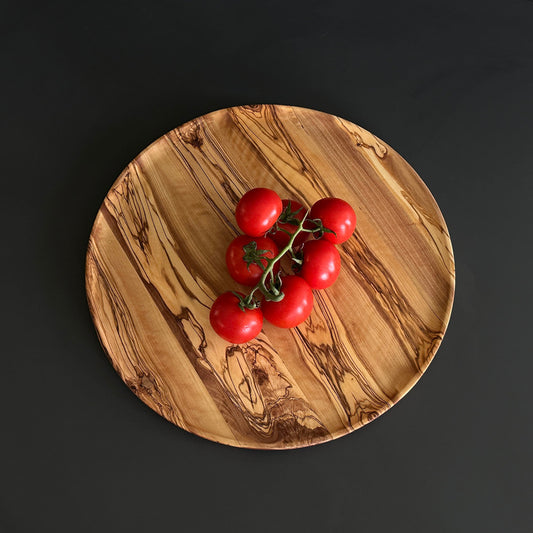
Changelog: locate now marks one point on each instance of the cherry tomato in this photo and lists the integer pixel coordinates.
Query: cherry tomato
(321, 264)
(257, 211)
(235, 259)
(336, 215)
(280, 237)
(232, 323)
(295, 307)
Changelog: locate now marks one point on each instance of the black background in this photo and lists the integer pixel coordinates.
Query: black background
(84, 87)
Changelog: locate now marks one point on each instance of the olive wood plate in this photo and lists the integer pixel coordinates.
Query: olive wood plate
(155, 264)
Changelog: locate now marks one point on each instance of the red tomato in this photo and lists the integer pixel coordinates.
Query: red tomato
(336, 215)
(237, 267)
(280, 237)
(321, 264)
(257, 211)
(295, 307)
(232, 323)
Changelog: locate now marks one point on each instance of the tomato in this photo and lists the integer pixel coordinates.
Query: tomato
(336, 215)
(235, 259)
(257, 211)
(321, 264)
(280, 237)
(296, 305)
(232, 323)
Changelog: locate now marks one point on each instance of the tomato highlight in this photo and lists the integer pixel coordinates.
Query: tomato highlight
(321, 264)
(257, 211)
(294, 308)
(336, 215)
(232, 323)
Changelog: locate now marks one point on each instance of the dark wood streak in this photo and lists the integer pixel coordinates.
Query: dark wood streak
(284, 416)
(378, 148)
(228, 179)
(425, 219)
(193, 175)
(231, 182)
(389, 301)
(143, 217)
(336, 362)
(279, 138)
(144, 383)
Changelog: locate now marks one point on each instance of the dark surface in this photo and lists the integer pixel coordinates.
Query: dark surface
(85, 87)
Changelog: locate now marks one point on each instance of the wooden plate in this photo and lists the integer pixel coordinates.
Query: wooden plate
(155, 263)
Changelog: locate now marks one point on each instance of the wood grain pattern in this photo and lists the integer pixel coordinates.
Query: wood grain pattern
(371, 335)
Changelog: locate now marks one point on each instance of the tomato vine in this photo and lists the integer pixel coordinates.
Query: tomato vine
(271, 288)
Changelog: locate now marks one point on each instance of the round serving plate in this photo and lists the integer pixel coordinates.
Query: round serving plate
(156, 262)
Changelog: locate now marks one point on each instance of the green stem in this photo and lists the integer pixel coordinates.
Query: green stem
(272, 293)
(269, 295)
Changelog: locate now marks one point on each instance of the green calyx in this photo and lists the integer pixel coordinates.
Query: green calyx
(253, 255)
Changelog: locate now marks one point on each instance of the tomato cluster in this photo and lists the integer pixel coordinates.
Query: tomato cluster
(272, 228)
